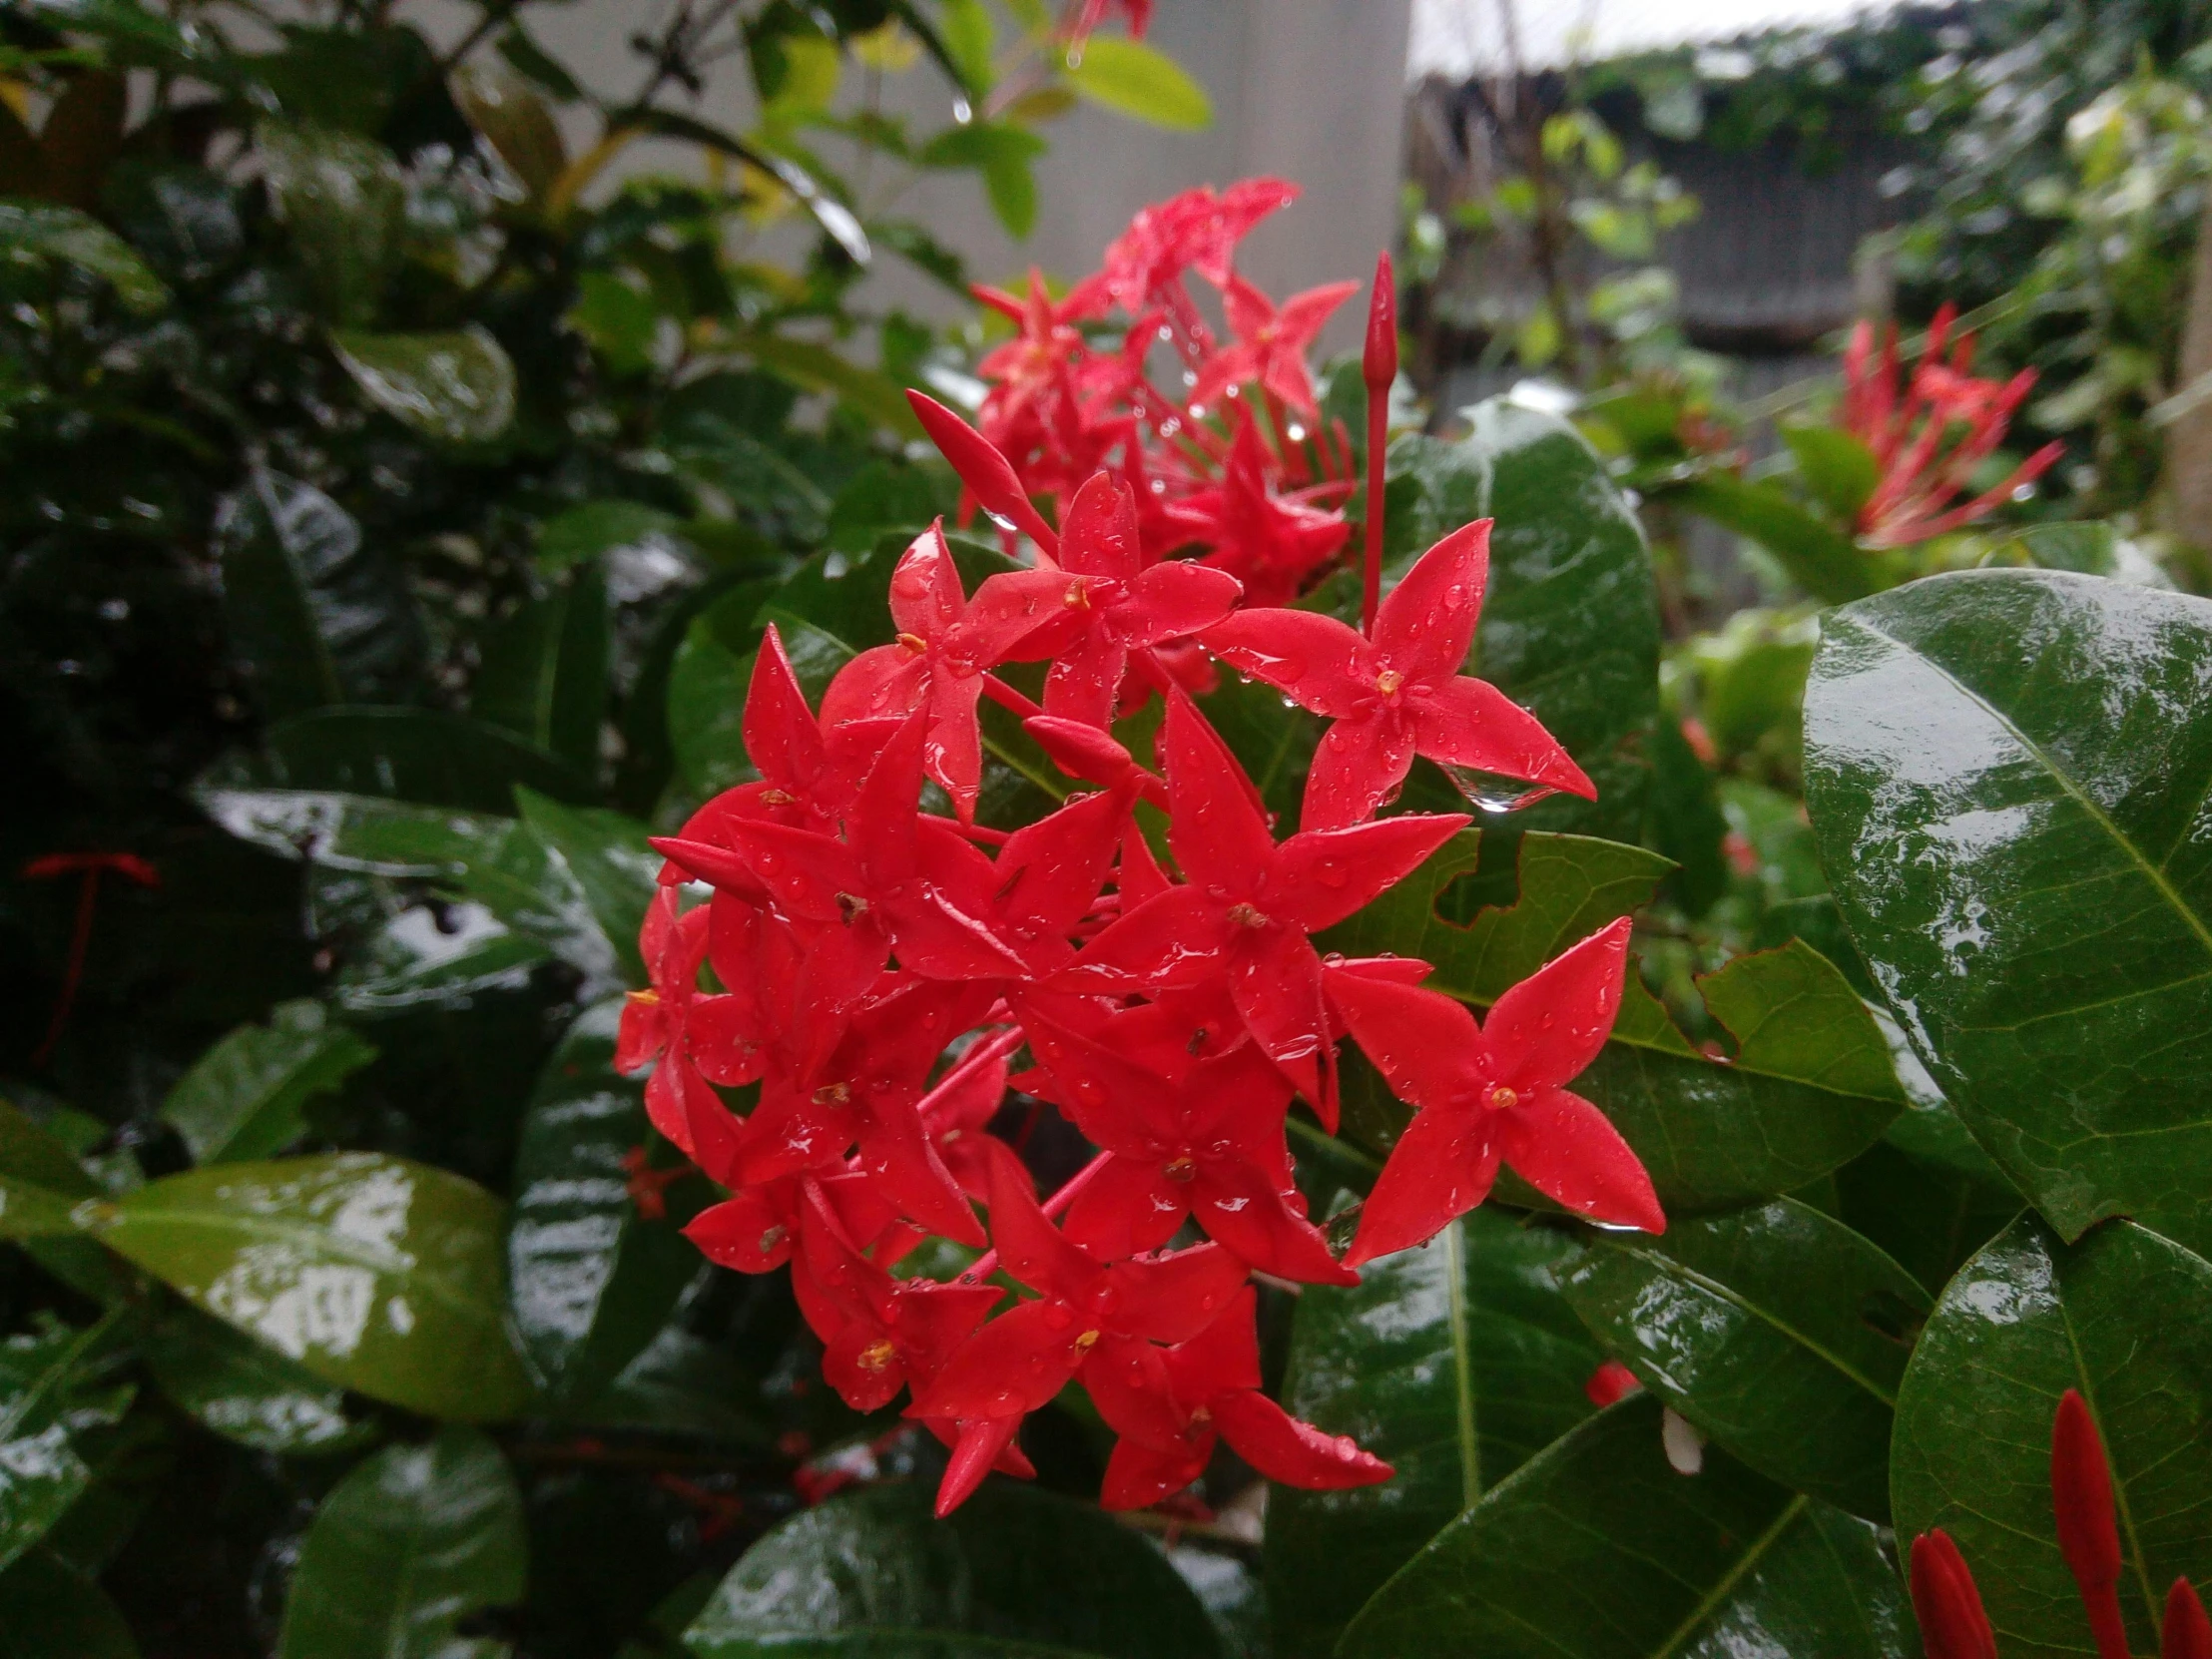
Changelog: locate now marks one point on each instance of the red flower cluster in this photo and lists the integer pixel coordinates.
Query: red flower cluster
(1229, 455)
(876, 969)
(1953, 1623)
(1928, 442)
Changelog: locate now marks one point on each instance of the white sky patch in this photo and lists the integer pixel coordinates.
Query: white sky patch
(1460, 38)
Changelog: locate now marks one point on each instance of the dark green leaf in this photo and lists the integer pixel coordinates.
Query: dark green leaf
(1755, 1325)
(404, 1551)
(247, 1392)
(1808, 1087)
(1570, 615)
(596, 527)
(1454, 1364)
(1910, 1195)
(1133, 79)
(885, 498)
(48, 1394)
(1597, 1549)
(1823, 560)
(245, 1098)
(1014, 1571)
(589, 1279)
(418, 755)
(606, 856)
(41, 1182)
(376, 1274)
(457, 387)
(317, 616)
(2007, 772)
(1684, 819)
(346, 201)
(2126, 1317)
(706, 687)
(543, 673)
(50, 1609)
(39, 234)
(818, 369)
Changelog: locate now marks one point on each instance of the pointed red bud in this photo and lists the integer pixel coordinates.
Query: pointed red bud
(2188, 1631)
(988, 473)
(1378, 365)
(1953, 1623)
(2088, 1537)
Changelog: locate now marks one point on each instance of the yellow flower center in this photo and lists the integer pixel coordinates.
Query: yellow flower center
(876, 1355)
(1504, 1099)
(1388, 681)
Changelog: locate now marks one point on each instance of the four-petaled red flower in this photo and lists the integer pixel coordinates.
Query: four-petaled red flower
(1271, 344)
(1169, 1405)
(1401, 693)
(1250, 905)
(1495, 1095)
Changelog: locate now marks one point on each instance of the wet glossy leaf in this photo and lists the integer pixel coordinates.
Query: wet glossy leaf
(49, 1393)
(1597, 1549)
(421, 755)
(376, 1274)
(404, 1551)
(50, 1609)
(457, 387)
(2007, 772)
(1013, 1570)
(1755, 1325)
(318, 616)
(1811, 1083)
(247, 1392)
(1820, 558)
(596, 527)
(543, 672)
(39, 236)
(247, 1096)
(41, 1182)
(345, 203)
(501, 105)
(1927, 1195)
(1454, 1362)
(606, 856)
(590, 1279)
(1132, 79)
(2124, 1316)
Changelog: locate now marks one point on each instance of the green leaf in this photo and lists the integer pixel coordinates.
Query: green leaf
(1570, 613)
(606, 856)
(2008, 774)
(376, 1274)
(47, 1395)
(1810, 1085)
(885, 498)
(1133, 79)
(1013, 1571)
(41, 1182)
(247, 1392)
(406, 1549)
(501, 104)
(1455, 1363)
(589, 1280)
(1840, 470)
(1003, 154)
(815, 368)
(457, 387)
(544, 668)
(1597, 1549)
(1823, 560)
(50, 1609)
(707, 685)
(595, 527)
(418, 755)
(316, 616)
(346, 201)
(2124, 1316)
(833, 217)
(1910, 1195)
(245, 1098)
(37, 235)
(965, 28)
(1755, 1324)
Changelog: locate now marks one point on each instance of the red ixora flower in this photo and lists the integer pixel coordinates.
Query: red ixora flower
(1926, 460)
(1496, 1095)
(1271, 344)
(1953, 1623)
(1399, 693)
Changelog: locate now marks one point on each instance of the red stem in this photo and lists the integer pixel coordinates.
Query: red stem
(1006, 696)
(73, 972)
(1377, 368)
(982, 1054)
(985, 1263)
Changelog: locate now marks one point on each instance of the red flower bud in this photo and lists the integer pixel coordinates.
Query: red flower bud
(989, 476)
(1378, 363)
(1953, 1623)
(2188, 1631)
(2081, 1497)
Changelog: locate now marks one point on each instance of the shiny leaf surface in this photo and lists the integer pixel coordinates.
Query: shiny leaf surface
(1758, 1322)
(2009, 773)
(49, 1394)
(376, 1274)
(605, 855)
(249, 1393)
(544, 670)
(1014, 1571)
(407, 1547)
(1454, 1362)
(589, 1279)
(1597, 1549)
(1808, 1087)
(419, 755)
(2124, 1316)
(457, 387)
(246, 1097)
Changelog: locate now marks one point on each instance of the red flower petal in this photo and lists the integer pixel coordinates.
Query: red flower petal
(1543, 1032)
(1442, 1167)
(1569, 1150)
(1953, 1623)
(1426, 623)
(1469, 723)
(1293, 1453)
